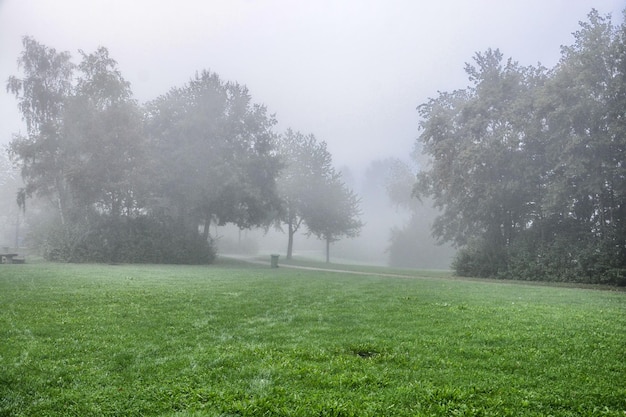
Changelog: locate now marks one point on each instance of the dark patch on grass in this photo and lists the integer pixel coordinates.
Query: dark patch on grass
(364, 351)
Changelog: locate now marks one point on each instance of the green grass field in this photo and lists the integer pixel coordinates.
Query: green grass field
(242, 340)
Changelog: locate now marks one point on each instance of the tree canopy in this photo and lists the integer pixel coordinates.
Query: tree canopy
(133, 183)
(334, 212)
(213, 154)
(144, 183)
(528, 164)
(41, 95)
(312, 192)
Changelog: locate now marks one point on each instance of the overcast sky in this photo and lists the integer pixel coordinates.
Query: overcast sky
(352, 72)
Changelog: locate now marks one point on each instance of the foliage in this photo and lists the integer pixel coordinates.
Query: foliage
(108, 239)
(398, 181)
(41, 95)
(212, 154)
(233, 339)
(479, 258)
(103, 143)
(404, 249)
(334, 212)
(528, 164)
(11, 216)
(117, 172)
(307, 165)
(478, 144)
(83, 144)
(312, 192)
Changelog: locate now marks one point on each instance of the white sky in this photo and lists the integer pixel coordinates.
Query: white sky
(352, 72)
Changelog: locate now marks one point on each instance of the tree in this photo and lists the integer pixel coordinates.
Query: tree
(482, 169)
(312, 192)
(213, 156)
(83, 133)
(85, 149)
(411, 244)
(528, 164)
(307, 163)
(586, 128)
(103, 140)
(42, 94)
(84, 140)
(333, 213)
(11, 216)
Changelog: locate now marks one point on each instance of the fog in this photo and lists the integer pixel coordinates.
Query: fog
(350, 72)
(380, 214)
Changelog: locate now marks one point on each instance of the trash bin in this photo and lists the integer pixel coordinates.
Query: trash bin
(274, 261)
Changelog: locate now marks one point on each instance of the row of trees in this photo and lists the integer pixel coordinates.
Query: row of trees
(133, 183)
(528, 165)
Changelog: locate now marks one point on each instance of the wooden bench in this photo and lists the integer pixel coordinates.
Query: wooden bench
(7, 258)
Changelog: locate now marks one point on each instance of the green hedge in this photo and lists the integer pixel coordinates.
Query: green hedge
(143, 239)
(560, 257)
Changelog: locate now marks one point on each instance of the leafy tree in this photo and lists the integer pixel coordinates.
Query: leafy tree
(405, 249)
(85, 149)
(585, 124)
(103, 138)
(212, 154)
(307, 165)
(42, 95)
(333, 213)
(11, 217)
(83, 133)
(312, 192)
(528, 165)
(399, 181)
(482, 174)
(84, 139)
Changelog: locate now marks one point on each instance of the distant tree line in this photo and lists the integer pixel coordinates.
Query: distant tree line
(528, 165)
(143, 183)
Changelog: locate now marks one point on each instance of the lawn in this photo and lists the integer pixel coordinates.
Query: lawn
(245, 340)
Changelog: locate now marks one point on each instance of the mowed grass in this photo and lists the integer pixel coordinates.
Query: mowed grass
(238, 340)
(366, 269)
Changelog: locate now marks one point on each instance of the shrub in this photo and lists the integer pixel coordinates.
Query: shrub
(142, 239)
(479, 258)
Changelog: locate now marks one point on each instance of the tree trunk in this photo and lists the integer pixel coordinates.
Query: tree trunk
(205, 230)
(327, 250)
(17, 230)
(291, 232)
(60, 201)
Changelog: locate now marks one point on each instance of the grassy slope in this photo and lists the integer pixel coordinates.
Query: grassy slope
(233, 339)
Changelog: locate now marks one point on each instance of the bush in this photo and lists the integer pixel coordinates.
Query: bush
(567, 255)
(143, 239)
(480, 259)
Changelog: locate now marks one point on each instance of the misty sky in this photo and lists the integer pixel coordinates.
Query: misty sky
(351, 72)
